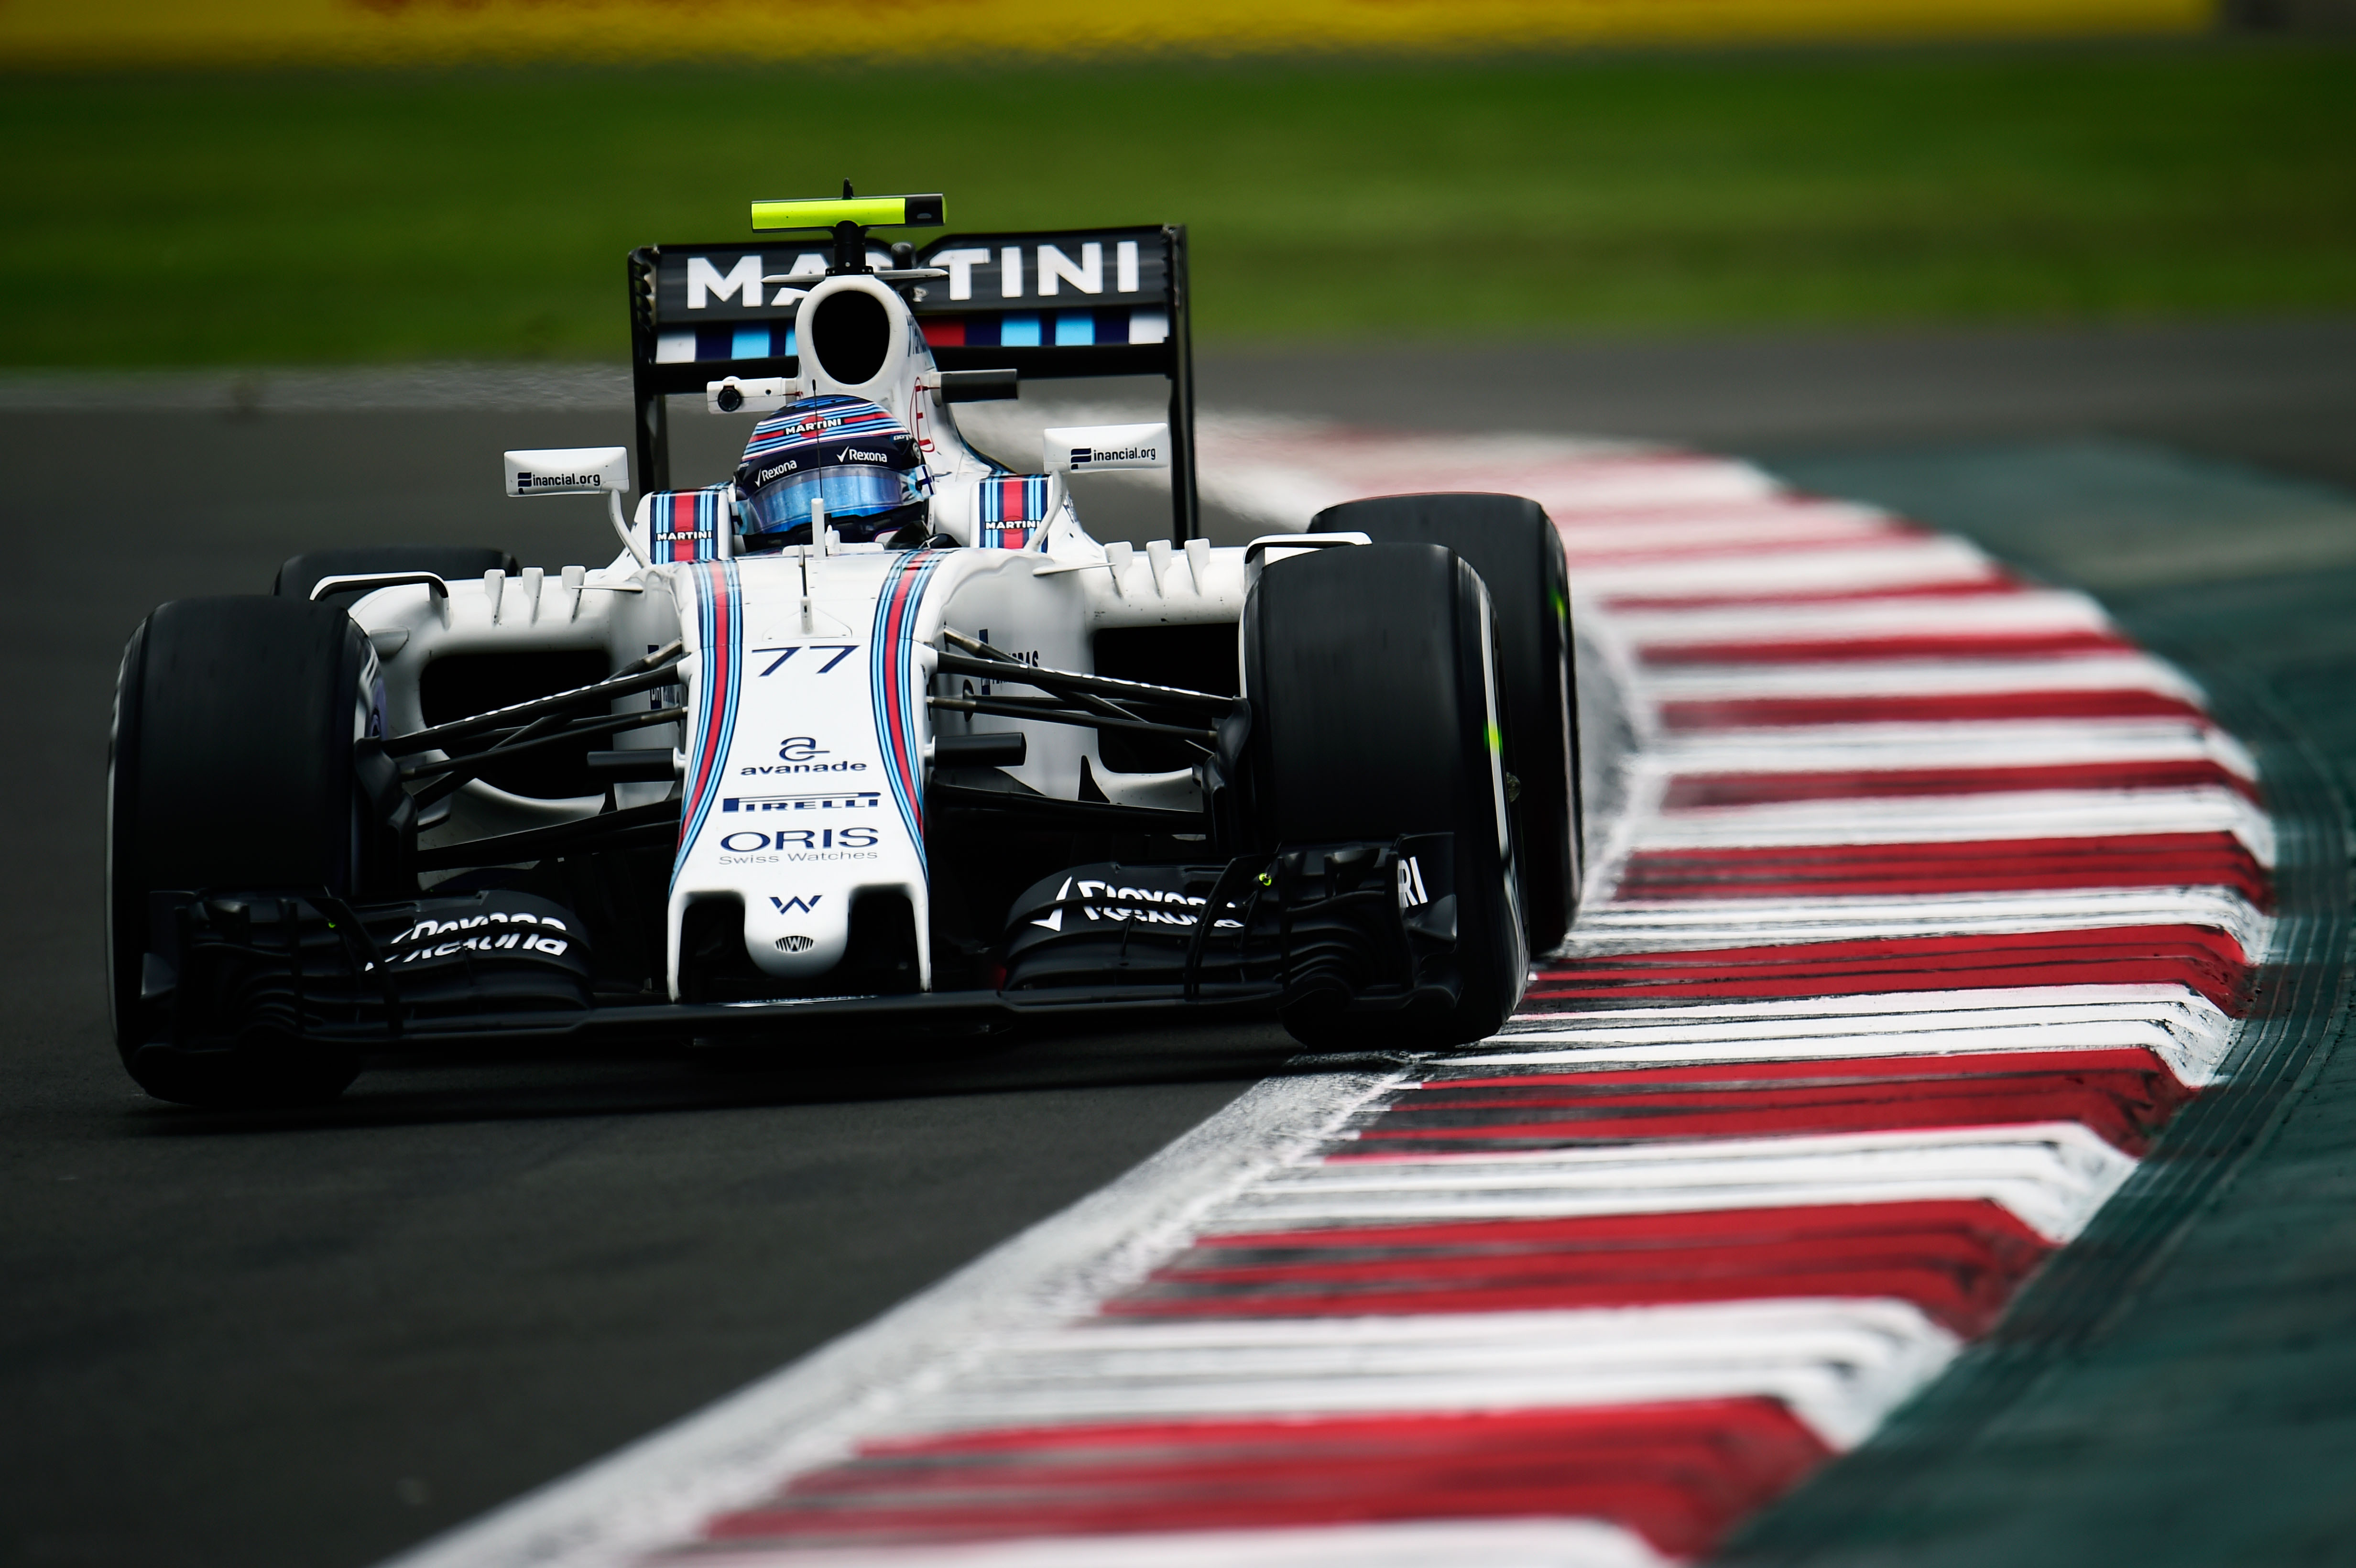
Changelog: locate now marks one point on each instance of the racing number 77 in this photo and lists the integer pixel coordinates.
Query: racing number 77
(840, 651)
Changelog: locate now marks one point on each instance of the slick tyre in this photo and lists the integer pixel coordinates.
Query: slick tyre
(233, 765)
(1371, 672)
(1511, 543)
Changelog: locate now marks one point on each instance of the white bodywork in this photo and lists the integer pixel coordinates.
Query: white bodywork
(804, 761)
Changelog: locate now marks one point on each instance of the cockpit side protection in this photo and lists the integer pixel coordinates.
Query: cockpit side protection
(1013, 510)
(684, 525)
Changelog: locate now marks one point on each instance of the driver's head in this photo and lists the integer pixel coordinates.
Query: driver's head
(845, 451)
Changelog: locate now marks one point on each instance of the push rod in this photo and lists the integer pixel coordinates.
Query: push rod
(983, 650)
(1015, 674)
(1016, 710)
(456, 771)
(610, 724)
(638, 675)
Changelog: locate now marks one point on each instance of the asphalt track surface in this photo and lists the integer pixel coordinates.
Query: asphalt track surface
(317, 1339)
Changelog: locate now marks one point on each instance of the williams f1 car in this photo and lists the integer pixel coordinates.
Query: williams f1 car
(873, 741)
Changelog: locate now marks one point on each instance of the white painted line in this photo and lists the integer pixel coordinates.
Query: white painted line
(1281, 471)
(1743, 682)
(657, 1490)
(1841, 1365)
(1436, 1543)
(1894, 1042)
(2041, 610)
(1832, 747)
(1957, 818)
(1900, 563)
(1017, 1338)
(2198, 1033)
(2053, 1176)
(1728, 527)
(1647, 925)
(2189, 1036)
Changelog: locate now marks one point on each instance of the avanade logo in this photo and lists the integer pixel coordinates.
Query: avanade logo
(800, 754)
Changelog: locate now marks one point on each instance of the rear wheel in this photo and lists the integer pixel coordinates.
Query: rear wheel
(1511, 543)
(233, 765)
(1371, 678)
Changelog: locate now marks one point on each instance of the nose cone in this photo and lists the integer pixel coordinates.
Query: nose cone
(796, 933)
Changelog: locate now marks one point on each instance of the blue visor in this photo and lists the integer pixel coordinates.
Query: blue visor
(850, 491)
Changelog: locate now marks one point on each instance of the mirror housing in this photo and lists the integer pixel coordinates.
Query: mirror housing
(1071, 449)
(569, 471)
(578, 471)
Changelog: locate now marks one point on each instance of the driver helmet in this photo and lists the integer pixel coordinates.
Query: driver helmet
(845, 451)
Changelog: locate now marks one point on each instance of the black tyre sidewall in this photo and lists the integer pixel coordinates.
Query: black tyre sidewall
(1371, 672)
(1511, 543)
(230, 768)
(126, 913)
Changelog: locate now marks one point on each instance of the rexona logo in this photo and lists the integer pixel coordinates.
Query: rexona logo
(854, 454)
(765, 475)
(526, 483)
(1084, 455)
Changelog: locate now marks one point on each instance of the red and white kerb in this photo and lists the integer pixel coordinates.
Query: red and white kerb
(1928, 900)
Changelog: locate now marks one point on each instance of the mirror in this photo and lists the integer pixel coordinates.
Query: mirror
(1095, 448)
(568, 471)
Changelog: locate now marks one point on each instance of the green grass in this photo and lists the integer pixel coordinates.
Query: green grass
(370, 217)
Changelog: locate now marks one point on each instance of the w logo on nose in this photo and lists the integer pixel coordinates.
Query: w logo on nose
(806, 906)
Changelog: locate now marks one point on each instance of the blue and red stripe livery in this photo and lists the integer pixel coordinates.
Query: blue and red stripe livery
(720, 655)
(684, 525)
(1012, 508)
(818, 419)
(896, 681)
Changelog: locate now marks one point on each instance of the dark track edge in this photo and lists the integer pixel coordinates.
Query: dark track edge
(1878, 1502)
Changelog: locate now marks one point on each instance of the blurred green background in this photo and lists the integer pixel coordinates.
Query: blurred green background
(373, 217)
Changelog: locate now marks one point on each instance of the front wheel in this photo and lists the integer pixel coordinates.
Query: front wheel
(233, 765)
(1511, 543)
(1372, 672)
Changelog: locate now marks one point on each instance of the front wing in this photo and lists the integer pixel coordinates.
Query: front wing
(1363, 929)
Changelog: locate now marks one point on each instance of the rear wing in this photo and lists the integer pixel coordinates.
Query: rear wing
(1096, 302)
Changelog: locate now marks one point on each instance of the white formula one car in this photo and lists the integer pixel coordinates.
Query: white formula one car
(875, 741)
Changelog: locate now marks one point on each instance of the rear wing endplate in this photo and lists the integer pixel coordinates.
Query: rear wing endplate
(1049, 305)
